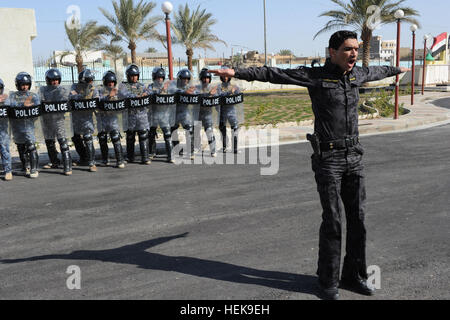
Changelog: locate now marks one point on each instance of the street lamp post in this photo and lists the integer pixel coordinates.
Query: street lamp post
(265, 35)
(399, 14)
(413, 74)
(425, 38)
(167, 8)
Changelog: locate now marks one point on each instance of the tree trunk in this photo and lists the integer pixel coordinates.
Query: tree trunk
(132, 46)
(79, 61)
(190, 54)
(366, 37)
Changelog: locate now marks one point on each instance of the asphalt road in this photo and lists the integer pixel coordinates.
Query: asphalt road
(224, 231)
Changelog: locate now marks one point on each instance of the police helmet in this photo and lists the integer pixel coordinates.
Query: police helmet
(23, 78)
(108, 77)
(184, 74)
(205, 74)
(223, 78)
(52, 74)
(158, 73)
(132, 70)
(86, 76)
(2, 86)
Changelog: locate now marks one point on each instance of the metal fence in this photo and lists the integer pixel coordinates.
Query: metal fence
(70, 74)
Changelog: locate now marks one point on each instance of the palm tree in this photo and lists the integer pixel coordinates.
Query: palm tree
(285, 52)
(84, 39)
(151, 50)
(132, 23)
(113, 50)
(361, 16)
(193, 30)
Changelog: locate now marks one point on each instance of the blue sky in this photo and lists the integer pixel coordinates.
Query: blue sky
(291, 24)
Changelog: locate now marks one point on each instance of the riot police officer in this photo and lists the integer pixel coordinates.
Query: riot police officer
(108, 122)
(162, 115)
(185, 113)
(53, 123)
(23, 128)
(83, 121)
(4, 135)
(208, 114)
(135, 119)
(229, 113)
(337, 160)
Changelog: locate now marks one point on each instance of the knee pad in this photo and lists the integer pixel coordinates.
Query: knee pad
(102, 137)
(88, 138)
(143, 135)
(30, 147)
(115, 136)
(63, 144)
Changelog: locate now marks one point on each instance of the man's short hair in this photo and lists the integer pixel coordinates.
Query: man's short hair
(338, 38)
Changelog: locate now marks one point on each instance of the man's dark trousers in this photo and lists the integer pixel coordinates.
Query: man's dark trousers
(340, 176)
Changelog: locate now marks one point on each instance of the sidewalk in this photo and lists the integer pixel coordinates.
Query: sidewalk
(433, 108)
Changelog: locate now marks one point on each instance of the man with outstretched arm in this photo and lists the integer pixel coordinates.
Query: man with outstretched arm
(337, 158)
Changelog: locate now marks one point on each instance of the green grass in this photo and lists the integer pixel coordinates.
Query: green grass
(295, 106)
(273, 108)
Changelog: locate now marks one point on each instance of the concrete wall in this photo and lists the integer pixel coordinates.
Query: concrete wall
(435, 74)
(18, 29)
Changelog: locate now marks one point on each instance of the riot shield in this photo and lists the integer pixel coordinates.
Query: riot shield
(84, 101)
(209, 106)
(110, 112)
(164, 106)
(4, 120)
(188, 105)
(232, 106)
(23, 111)
(55, 119)
(138, 101)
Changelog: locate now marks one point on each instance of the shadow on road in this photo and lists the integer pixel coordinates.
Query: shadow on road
(136, 254)
(443, 103)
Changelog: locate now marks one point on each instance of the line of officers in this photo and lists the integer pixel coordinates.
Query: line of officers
(136, 122)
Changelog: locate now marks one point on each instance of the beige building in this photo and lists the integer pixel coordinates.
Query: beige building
(18, 30)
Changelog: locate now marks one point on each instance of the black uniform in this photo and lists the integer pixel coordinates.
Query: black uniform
(338, 167)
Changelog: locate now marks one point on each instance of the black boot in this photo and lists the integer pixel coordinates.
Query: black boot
(152, 143)
(66, 157)
(235, 141)
(211, 141)
(169, 148)
(212, 146)
(52, 155)
(130, 146)
(143, 145)
(79, 147)
(115, 138)
(103, 141)
(190, 142)
(21, 150)
(223, 131)
(34, 160)
(90, 152)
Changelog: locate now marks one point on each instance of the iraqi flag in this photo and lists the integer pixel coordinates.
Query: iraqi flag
(439, 44)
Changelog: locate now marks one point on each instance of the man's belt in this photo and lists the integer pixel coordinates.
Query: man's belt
(339, 144)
